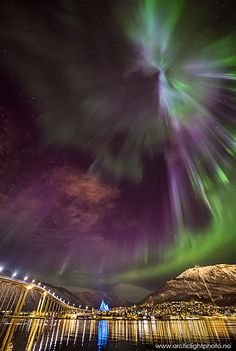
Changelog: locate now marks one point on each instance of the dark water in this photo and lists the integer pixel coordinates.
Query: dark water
(40, 335)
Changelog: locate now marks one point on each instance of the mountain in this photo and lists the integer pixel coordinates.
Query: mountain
(130, 292)
(215, 284)
(87, 297)
(92, 297)
(120, 295)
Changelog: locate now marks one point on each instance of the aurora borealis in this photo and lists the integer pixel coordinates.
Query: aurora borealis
(118, 139)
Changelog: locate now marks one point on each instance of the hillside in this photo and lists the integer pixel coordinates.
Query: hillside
(215, 284)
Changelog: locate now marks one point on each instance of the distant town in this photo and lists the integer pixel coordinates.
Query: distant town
(165, 311)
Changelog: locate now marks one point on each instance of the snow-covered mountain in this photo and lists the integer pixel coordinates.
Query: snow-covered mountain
(215, 284)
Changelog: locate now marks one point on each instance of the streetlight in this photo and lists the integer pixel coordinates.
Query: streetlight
(14, 274)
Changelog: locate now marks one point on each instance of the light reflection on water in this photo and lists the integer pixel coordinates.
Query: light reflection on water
(64, 334)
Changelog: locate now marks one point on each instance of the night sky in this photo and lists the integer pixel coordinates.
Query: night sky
(117, 139)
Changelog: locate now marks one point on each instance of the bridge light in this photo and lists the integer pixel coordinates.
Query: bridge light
(25, 278)
(14, 274)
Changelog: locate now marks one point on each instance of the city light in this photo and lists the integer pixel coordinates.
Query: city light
(39, 283)
(25, 278)
(33, 281)
(14, 274)
(1, 268)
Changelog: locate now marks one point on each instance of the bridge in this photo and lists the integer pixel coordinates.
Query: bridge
(13, 295)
